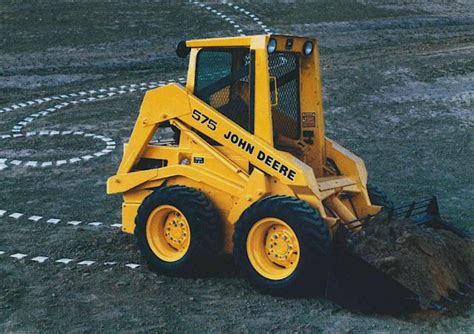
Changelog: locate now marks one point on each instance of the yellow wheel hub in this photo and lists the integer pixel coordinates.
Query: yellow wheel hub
(168, 233)
(273, 248)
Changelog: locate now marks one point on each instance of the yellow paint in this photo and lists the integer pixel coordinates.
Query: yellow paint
(273, 248)
(238, 168)
(168, 233)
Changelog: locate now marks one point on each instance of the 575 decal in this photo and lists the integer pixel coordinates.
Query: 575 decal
(200, 117)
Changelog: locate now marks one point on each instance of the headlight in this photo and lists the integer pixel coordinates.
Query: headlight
(308, 48)
(272, 45)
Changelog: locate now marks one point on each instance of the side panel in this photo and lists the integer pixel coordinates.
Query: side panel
(129, 212)
(280, 165)
(312, 117)
(351, 165)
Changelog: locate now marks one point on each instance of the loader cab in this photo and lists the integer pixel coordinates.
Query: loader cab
(268, 84)
(223, 81)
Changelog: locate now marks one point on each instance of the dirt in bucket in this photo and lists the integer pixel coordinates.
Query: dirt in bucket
(429, 262)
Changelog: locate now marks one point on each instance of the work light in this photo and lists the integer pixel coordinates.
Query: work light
(272, 45)
(308, 48)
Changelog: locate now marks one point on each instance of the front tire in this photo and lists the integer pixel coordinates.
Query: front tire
(178, 231)
(282, 246)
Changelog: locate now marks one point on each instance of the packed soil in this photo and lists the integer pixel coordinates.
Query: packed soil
(432, 263)
(398, 84)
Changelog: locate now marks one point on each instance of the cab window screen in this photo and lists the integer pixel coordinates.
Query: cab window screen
(222, 81)
(286, 115)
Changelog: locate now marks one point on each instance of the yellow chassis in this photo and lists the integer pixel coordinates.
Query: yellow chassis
(245, 167)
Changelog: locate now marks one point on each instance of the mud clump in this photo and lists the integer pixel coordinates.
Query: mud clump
(429, 262)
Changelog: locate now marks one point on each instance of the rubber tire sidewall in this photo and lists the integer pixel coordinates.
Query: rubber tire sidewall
(314, 240)
(202, 219)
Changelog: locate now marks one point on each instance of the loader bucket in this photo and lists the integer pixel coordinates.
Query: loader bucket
(356, 284)
(424, 212)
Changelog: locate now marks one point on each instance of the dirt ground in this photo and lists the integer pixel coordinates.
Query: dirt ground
(398, 91)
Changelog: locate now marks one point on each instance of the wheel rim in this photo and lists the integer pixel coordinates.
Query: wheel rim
(273, 248)
(168, 233)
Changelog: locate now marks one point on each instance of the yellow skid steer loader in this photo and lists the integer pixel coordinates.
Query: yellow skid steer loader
(250, 172)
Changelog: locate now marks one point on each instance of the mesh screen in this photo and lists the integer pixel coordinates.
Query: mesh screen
(222, 81)
(286, 115)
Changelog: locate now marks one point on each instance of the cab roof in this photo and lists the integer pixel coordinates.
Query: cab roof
(240, 40)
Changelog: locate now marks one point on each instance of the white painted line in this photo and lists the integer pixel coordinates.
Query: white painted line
(31, 163)
(19, 256)
(53, 221)
(35, 218)
(132, 265)
(2, 252)
(86, 263)
(110, 263)
(74, 222)
(16, 215)
(64, 260)
(2, 212)
(95, 224)
(39, 259)
(116, 225)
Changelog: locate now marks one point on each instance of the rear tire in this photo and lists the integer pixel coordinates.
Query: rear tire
(261, 257)
(178, 231)
(379, 197)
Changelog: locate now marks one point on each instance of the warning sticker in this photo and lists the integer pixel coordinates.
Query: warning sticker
(308, 119)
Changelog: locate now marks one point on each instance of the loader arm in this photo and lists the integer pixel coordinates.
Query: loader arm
(173, 102)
